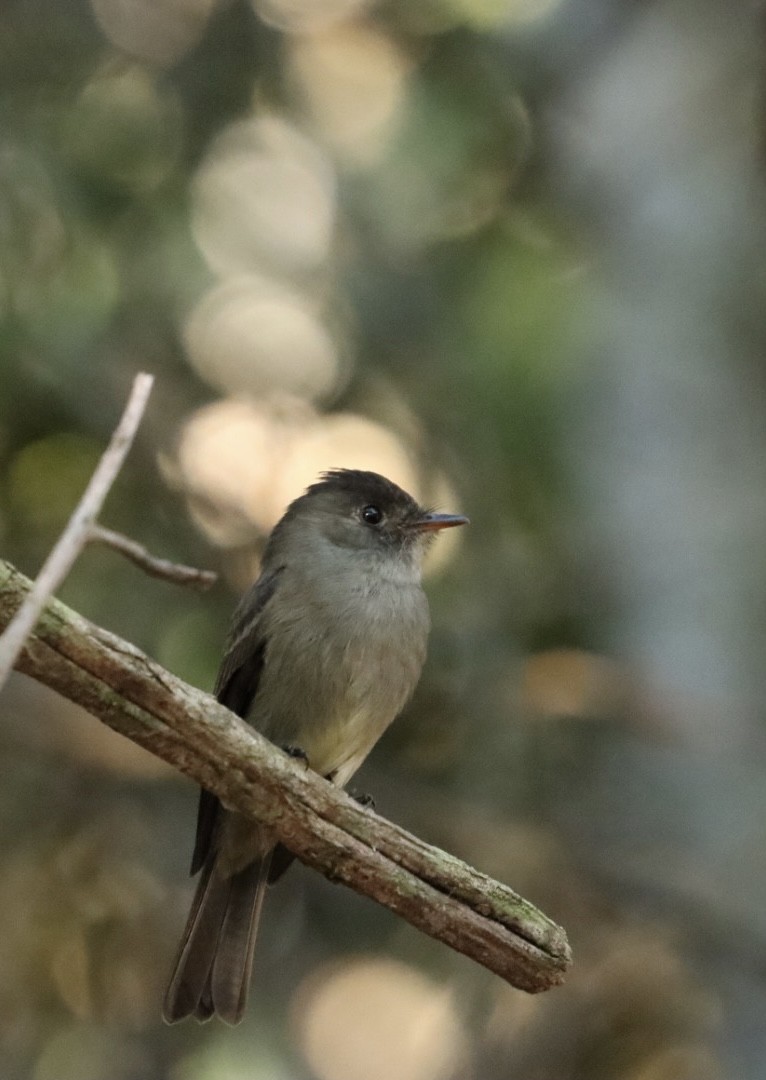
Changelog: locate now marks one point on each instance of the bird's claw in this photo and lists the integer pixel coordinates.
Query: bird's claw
(298, 753)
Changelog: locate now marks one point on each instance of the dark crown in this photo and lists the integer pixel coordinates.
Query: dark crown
(366, 486)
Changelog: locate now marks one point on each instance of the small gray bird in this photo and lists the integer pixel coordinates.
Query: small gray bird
(323, 653)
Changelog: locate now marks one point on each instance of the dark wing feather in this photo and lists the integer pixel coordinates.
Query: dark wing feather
(236, 687)
(243, 636)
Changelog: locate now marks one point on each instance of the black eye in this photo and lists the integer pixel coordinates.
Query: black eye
(372, 515)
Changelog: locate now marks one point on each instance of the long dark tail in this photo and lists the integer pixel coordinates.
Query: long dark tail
(212, 970)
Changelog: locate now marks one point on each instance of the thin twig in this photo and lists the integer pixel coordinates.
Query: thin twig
(325, 828)
(151, 564)
(70, 543)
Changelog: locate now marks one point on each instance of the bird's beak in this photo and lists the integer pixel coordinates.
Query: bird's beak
(432, 522)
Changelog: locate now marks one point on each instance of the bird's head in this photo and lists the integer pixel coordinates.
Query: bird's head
(364, 512)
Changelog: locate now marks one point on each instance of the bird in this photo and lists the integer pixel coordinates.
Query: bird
(324, 651)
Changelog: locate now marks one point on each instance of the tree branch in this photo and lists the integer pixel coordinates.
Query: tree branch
(323, 826)
(75, 535)
(150, 564)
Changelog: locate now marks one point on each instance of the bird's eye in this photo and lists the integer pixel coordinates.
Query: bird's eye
(371, 515)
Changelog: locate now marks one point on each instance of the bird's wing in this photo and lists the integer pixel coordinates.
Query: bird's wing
(243, 639)
(236, 687)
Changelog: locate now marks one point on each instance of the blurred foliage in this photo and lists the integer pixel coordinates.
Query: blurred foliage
(509, 252)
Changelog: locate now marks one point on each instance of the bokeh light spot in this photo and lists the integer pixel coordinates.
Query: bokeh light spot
(72, 300)
(124, 130)
(570, 683)
(304, 16)
(353, 79)
(378, 1019)
(264, 197)
(498, 14)
(46, 478)
(225, 461)
(160, 31)
(253, 336)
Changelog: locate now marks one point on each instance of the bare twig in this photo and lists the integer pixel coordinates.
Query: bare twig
(70, 543)
(324, 827)
(150, 564)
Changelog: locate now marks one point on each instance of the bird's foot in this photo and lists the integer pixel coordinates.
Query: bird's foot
(363, 798)
(298, 753)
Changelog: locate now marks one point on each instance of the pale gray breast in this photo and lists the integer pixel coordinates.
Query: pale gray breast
(345, 650)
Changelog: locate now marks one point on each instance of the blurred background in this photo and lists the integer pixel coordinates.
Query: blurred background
(511, 254)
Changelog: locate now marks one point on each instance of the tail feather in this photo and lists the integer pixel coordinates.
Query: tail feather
(198, 946)
(232, 968)
(212, 970)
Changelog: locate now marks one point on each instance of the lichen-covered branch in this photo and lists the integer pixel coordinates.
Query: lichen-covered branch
(323, 826)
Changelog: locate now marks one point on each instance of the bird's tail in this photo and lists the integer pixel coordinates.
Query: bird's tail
(211, 975)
